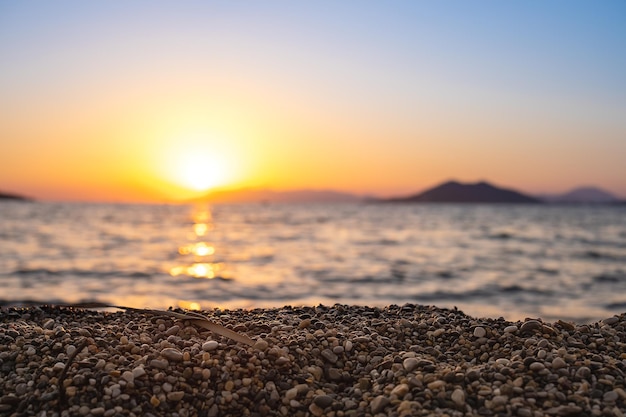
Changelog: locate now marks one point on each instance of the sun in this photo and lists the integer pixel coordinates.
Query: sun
(201, 171)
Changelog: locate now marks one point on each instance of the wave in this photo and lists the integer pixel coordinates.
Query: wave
(43, 272)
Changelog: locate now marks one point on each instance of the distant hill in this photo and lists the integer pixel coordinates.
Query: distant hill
(255, 195)
(10, 196)
(456, 192)
(584, 195)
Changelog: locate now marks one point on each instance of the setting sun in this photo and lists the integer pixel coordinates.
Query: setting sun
(199, 162)
(202, 171)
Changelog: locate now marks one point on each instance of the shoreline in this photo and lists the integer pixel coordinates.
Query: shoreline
(339, 360)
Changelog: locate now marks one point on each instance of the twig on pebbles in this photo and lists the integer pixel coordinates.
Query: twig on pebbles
(62, 399)
(198, 320)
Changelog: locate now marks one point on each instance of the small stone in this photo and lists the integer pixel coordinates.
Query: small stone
(155, 401)
(98, 411)
(71, 391)
(558, 363)
(565, 410)
(583, 372)
(175, 396)
(499, 400)
(316, 410)
(329, 356)
(160, 364)
(58, 366)
(210, 345)
(530, 326)
(480, 332)
(229, 385)
(537, 367)
(436, 385)
(410, 364)
(128, 376)
(323, 401)
(510, 329)
(379, 403)
(172, 354)
(139, 372)
(291, 394)
(611, 320)
(282, 361)
(48, 324)
(21, 389)
(304, 324)
(610, 396)
(458, 397)
(84, 410)
(172, 330)
(334, 374)
(261, 345)
(400, 390)
(348, 346)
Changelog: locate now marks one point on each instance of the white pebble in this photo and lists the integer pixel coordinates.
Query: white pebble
(479, 332)
(210, 345)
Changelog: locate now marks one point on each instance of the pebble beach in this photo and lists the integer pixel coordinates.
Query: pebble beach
(339, 360)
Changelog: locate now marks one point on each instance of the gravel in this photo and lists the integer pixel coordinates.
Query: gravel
(336, 360)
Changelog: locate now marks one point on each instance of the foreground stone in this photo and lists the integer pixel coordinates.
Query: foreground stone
(328, 361)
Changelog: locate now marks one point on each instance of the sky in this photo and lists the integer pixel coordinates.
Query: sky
(161, 100)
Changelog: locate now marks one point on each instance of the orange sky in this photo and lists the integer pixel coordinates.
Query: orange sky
(145, 102)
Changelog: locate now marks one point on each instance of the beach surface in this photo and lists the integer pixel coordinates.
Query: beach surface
(339, 360)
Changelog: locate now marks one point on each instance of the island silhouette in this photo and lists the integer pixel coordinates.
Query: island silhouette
(456, 192)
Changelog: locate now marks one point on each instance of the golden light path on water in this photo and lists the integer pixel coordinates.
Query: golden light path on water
(201, 263)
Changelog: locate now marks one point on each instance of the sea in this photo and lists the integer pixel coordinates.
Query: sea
(555, 262)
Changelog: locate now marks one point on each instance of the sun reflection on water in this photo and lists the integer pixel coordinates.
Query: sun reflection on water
(202, 264)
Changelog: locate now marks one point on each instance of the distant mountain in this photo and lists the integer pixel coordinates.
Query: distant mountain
(9, 196)
(584, 195)
(456, 192)
(256, 195)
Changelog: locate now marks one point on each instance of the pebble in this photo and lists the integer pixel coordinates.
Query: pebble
(379, 403)
(558, 363)
(610, 396)
(172, 354)
(611, 320)
(458, 397)
(436, 385)
(210, 345)
(480, 332)
(160, 364)
(510, 329)
(323, 401)
(138, 372)
(128, 376)
(261, 345)
(330, 356)
(410, 364)
(175, 396)
(400, 390)
(530, 326)
(348, 361)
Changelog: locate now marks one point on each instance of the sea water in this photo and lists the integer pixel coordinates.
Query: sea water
(511, 261)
